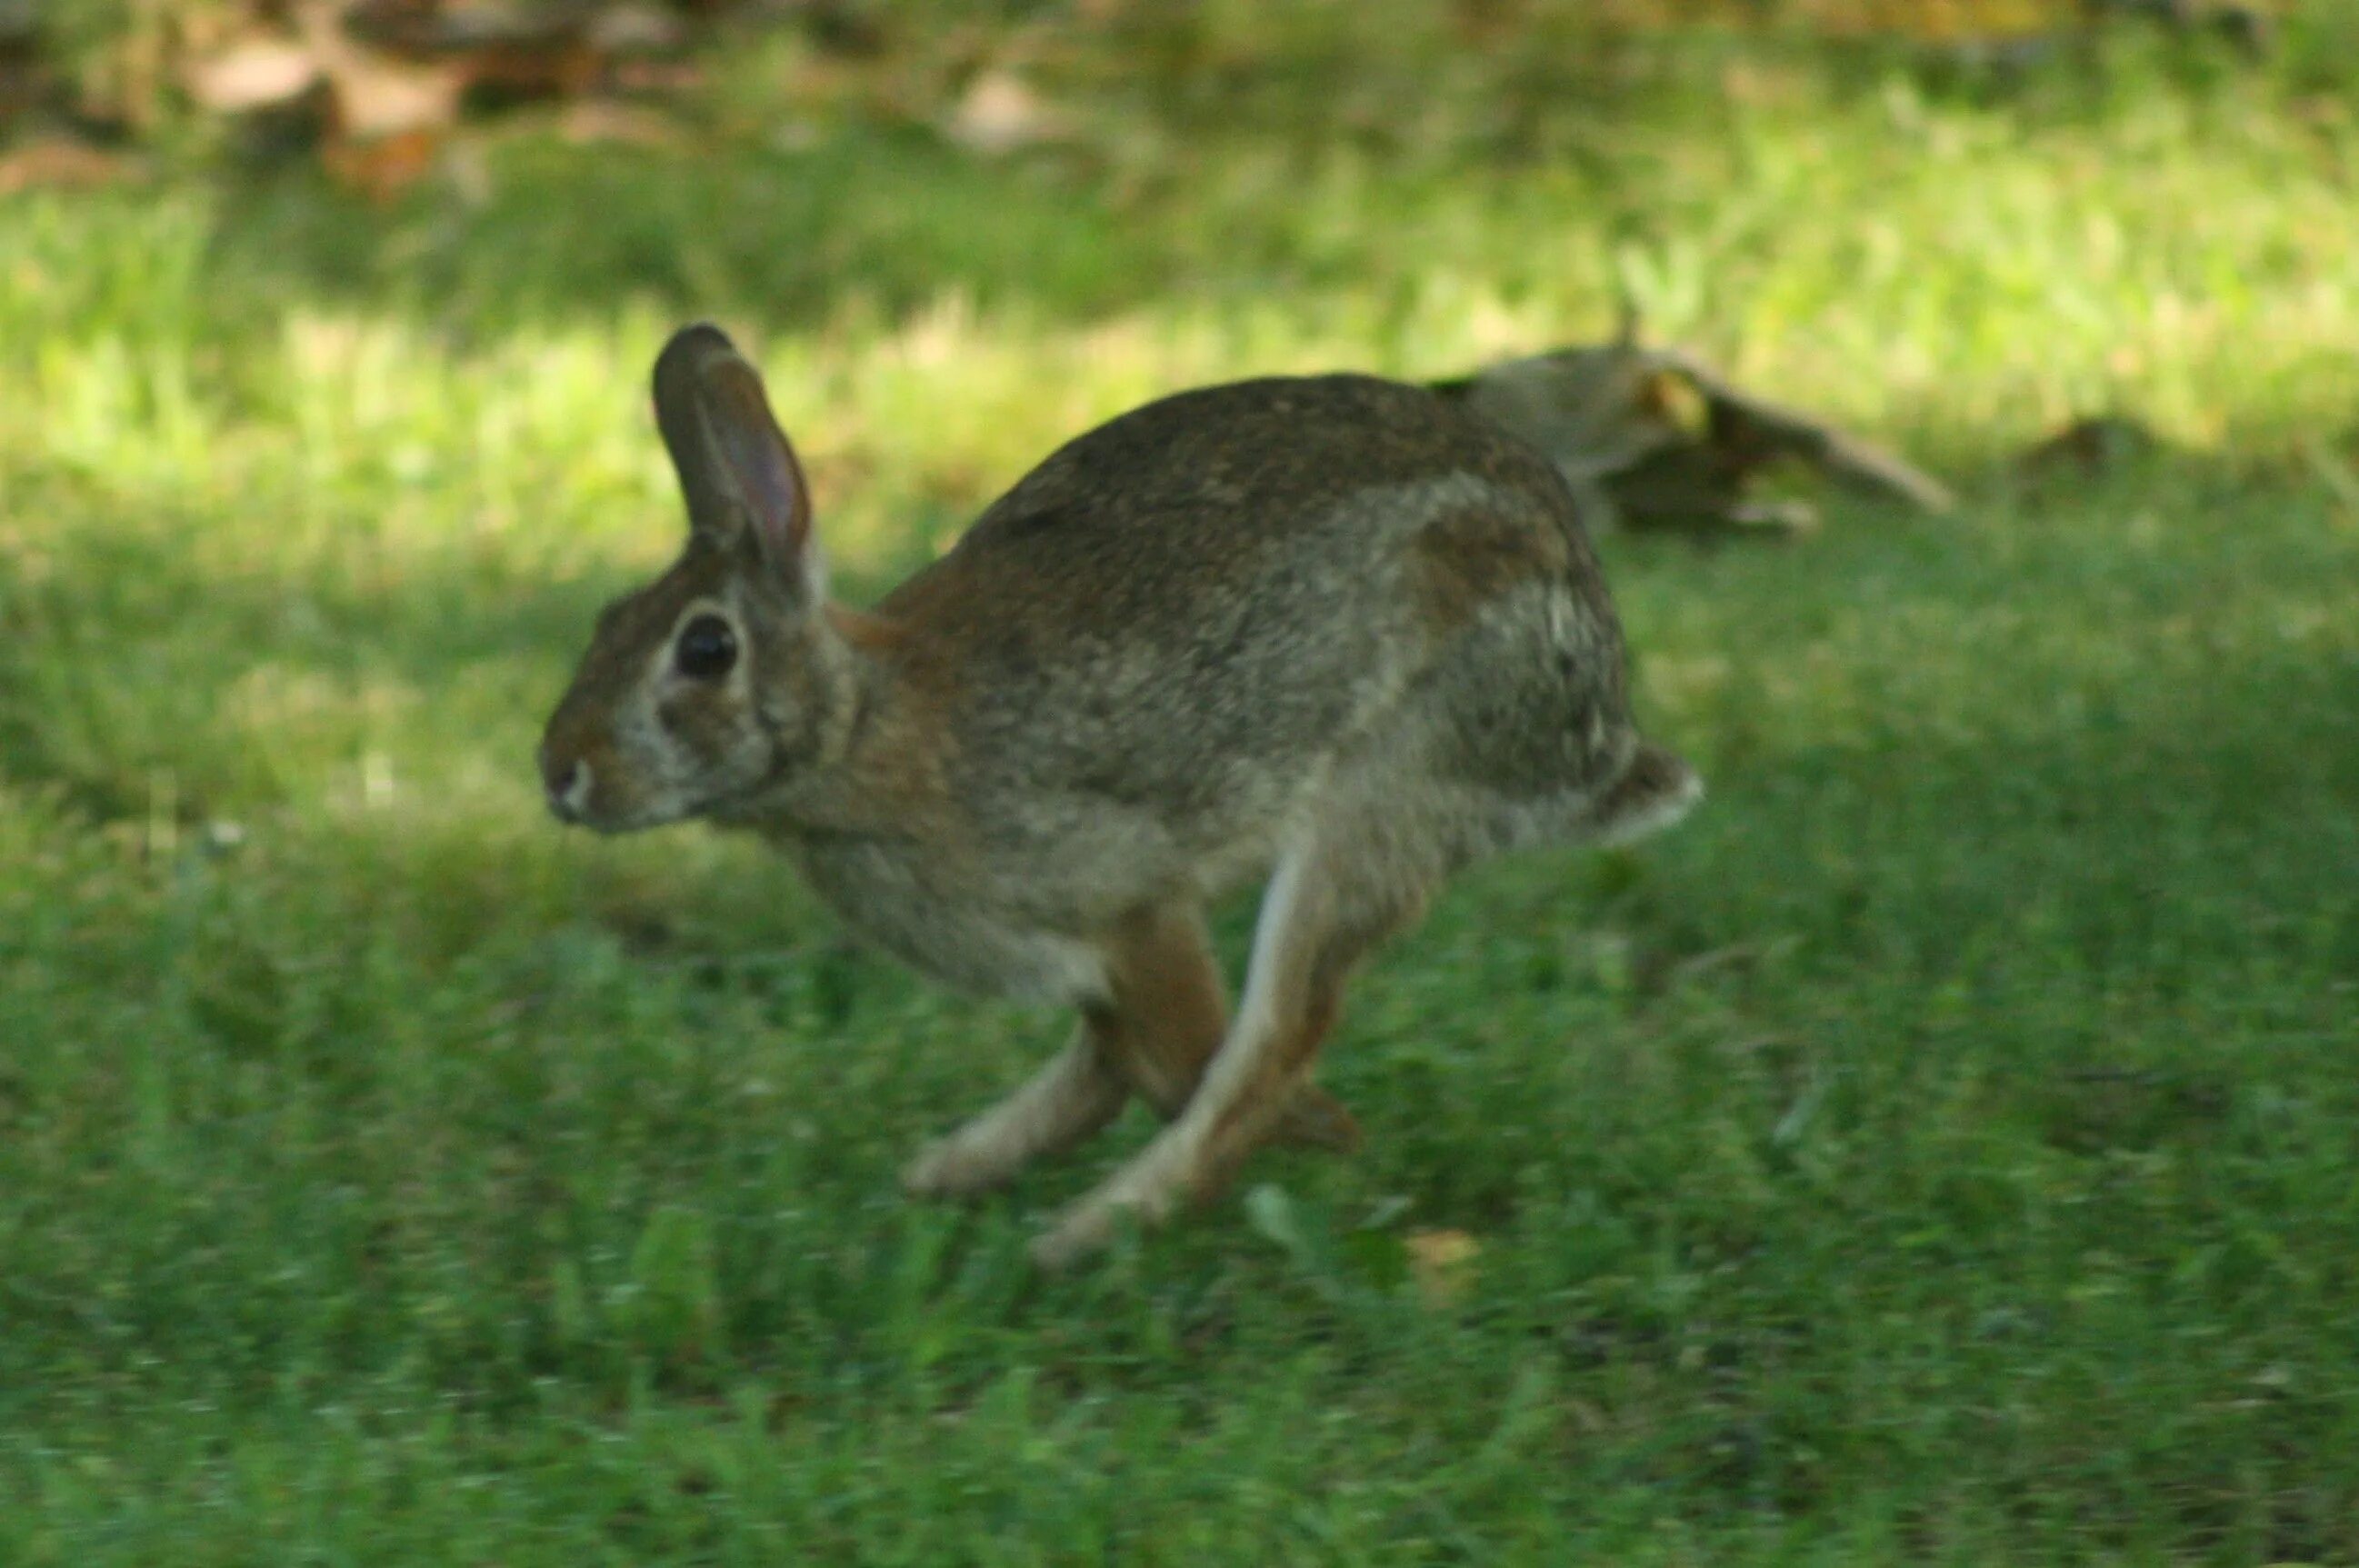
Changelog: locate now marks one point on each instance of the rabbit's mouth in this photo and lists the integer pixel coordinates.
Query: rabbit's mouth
(611, 824)
(569, 792)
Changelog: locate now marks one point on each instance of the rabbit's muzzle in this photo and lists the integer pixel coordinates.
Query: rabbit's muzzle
(567, 780)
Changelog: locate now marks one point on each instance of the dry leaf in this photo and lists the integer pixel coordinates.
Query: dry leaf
(999, 113)
(1442, 1264)
(257, 74)
(382, 168)
(377, 94)
(382, 98)
(60, 161)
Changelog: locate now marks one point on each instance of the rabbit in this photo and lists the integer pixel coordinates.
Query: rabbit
(1325, 629)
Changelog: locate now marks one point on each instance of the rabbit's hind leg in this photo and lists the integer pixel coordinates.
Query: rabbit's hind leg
(1167, 1012)
(1170, 1016)
(1328, 902)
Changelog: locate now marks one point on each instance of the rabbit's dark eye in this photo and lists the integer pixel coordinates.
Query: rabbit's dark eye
(707, 649)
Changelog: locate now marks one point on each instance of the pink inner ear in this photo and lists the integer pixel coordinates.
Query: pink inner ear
(760, 460)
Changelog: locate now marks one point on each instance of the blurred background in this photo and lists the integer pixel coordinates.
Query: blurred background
(1938, 1148)
(398, 265)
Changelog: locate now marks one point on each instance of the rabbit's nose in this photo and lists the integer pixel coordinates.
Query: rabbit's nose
(568, 787)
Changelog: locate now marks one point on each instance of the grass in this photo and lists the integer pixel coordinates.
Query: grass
(1941, 1149)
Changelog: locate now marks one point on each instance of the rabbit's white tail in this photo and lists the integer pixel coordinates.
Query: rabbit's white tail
(1655, 790)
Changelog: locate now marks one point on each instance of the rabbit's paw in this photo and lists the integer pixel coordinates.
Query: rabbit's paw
(1081, 1232)
(1146, 1193)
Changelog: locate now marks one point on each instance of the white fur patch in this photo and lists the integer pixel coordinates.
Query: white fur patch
(1652, 817)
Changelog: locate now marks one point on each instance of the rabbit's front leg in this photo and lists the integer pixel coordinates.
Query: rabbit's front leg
(1065, 1102)
(1161, 1015)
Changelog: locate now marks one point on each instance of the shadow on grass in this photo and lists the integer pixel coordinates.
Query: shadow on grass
(488, 636)
(783, 238)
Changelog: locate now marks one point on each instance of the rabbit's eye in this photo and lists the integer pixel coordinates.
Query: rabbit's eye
(707, 649)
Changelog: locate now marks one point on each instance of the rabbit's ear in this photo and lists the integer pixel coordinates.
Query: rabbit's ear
(736, 466)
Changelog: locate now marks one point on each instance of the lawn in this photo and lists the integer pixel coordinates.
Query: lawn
(1943, 1148)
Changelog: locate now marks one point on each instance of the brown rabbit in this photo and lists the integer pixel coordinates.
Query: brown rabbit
(1324, 629)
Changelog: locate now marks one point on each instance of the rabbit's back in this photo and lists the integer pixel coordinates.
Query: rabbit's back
(1147, 651)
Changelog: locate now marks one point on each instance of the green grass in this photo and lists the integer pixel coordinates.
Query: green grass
(1941, 1149)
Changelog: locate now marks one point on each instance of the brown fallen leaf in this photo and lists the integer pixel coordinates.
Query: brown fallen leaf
(562, 69)
(60, 162)
(386, 116)
(382, 168)
(516, 52)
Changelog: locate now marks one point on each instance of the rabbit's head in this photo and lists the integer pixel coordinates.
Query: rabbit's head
(720, 681)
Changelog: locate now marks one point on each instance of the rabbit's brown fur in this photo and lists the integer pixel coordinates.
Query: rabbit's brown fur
(1327, 629)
